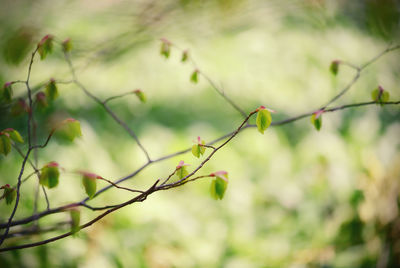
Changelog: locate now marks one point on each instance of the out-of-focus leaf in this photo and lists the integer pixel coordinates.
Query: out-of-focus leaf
(263, 119)
(49, 175)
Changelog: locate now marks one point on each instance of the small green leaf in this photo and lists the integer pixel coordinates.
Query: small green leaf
(89, 181)
(7, 92)
(198, 149)
(69, 129)
(67, 45)
(219, 184)
(5, 143)
(14, 135)
(75, 215)
(49, 175)
(181, 170)
(380, 95)
(263, 120)
(334, 68)
(194, 77)
(51, 90)
(139, 93)
(185, 56)
(9, 193)
(316, 119)
(45, 46)
(165, 48)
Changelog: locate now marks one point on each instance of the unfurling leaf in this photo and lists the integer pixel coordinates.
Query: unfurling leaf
(89, 181)
(14, 135)
(165, 48)
(20, 107)
(7, 92)
(139, 93)
(67, 45)
(75, 215)
(181, 170)
(45, 46)
(316, 119)
(194, 77)
(185, 56)
(69, 129)
(198, 149)
(380, 95)
(219, 184)
(51, 90)
(9, 193)
(49, 175)
(5, 143)
(41, 99)
(263, 120)
(334, 67)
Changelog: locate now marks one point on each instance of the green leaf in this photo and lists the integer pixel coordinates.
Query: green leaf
(194, 77)
(165, 48)
(49, 175)
(67, 45)
(185, 56)
(89, 181)
(218, 188)
(219, 184)
(51, 90)
(45, 46)
(9, 194)
(198, 149)
(316, 119)
(69, 129)
(181, 172)
(5, 143)
(380, 95)
(334, 68)
(263, 120)
(7, 92)
(14, 135)
(17, 46)
(139, 93)
(75, 220)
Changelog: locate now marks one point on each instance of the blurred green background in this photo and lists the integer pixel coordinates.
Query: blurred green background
(296, 197)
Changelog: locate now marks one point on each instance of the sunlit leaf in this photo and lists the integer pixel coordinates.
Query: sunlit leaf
(45, 46)
(185, 56)
(14, 135)
(75, 215)
(316, 119)
(69, 129)
(51, 90)
(165, 48)
(194, 77)
(219, 184)
(198, 149)
(89, 181)
(139, 93)
(181, 170)
(5, 143)
(380, 95)
(67, 45)
(49, 175)
(263, 120)
(334, 68)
